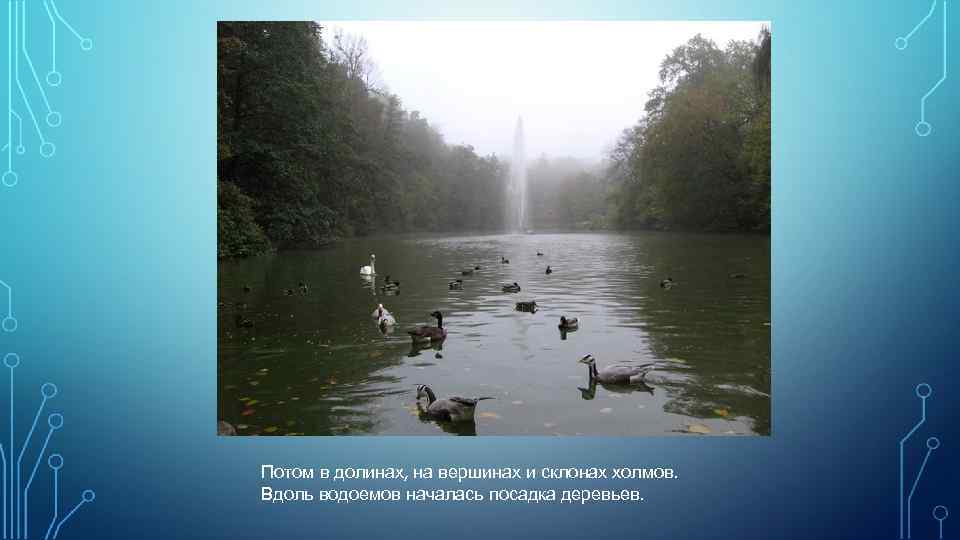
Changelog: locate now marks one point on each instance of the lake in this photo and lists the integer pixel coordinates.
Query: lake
(317, 364)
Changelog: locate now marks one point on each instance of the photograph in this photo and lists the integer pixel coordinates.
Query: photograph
(483, 228)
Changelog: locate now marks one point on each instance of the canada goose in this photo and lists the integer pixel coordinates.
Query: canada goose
(452, 409)
(623, 375)
(430, 333)
(304, 288)
(504, 260)
(456, 285)
(666, 283)
(530, 306)
(569, 324)
(514, 288)
(549, 270)
(242, 322)
(371, 269)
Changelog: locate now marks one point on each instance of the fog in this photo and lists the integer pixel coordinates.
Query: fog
(576, 84)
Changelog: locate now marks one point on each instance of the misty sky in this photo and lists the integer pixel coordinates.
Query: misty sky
(576, 84)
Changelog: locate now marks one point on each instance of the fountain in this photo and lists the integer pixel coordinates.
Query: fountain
(517, 188)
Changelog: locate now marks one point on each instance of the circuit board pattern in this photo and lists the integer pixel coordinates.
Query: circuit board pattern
(924, 128)
(21, 73)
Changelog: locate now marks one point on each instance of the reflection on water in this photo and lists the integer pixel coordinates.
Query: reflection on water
(315, 362)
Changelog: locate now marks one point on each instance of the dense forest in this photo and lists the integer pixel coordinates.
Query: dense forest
(311, 147)
(700, 157)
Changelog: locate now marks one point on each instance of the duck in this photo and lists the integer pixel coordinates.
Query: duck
(242, 322)
(451, 409)
(247, 288)
(476, 267)
(622, 375)
(456, 285)
(666, 283)
(288, 292)
(370, 269)
(539, 254)
(467, 272)
(514, 288)
(390, 285)
(430, 333)
(504, 260)
(572, 323)
(304, 288)
(549, 270)
(530, 306)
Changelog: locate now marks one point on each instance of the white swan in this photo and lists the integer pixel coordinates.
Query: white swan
(384, 317)
(370, 270)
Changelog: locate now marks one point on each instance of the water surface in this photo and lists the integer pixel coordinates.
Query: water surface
(316, 363)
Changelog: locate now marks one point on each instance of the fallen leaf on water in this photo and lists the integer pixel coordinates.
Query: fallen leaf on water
(247, 412)
(244, 399)
(252, 402)
(270, 429)
(491, 415)
(254, 383)
(295, 398)
(721, 412)
(698, 428)
(242, 426)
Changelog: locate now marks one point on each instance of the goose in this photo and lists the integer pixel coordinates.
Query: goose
(430, 333)
(539, 254)
(666, 283)
(514, 288)
(371, 269)
(242, 322)
(530, 306)
(452, 409)
(456, 285)
(467, 272)
(504, 260)
(622, 375)
(569, 324)
(549, 270)
(476, 267)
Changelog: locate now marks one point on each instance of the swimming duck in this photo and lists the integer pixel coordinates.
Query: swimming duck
(623, 375)
(477, 267)
(430, 333)
(530, 306)
(504, 260)
(467, 272)
(456, 285)
(666, 283)
(569, 324)
(390, 285)
(549, 270)
(304, 288)
(288, 292)
(371, 269)
(515, 288)
(452, 409)
(242, 322)
(539, 254)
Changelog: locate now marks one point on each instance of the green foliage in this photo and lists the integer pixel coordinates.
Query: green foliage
(319, 152)
(700, 157)
(238, 234)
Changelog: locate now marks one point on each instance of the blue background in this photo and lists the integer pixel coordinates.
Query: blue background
(110, 248)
